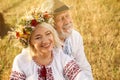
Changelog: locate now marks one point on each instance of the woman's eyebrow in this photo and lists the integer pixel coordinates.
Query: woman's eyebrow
(37, 35)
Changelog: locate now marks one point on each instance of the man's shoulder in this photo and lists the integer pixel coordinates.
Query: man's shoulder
(75, 38)
(75, 33)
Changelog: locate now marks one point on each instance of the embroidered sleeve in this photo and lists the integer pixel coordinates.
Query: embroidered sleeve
(71, 70)
(17, 76)
(17, 72)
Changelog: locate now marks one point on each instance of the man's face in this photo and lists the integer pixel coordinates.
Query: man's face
(63, 24)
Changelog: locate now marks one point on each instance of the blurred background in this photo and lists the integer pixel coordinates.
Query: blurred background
(98, 21)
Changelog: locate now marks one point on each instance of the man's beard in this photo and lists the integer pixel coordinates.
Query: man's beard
(63, 34)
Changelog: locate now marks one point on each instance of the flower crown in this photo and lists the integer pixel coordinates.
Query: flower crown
(27, 23)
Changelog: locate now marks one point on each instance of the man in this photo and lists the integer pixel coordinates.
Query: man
(73, 43)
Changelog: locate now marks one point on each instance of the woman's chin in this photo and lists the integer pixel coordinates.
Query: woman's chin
(48, 50)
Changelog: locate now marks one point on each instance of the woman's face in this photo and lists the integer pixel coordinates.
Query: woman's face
(42, 40)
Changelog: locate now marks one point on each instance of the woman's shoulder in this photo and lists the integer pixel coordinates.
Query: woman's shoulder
(23, 56)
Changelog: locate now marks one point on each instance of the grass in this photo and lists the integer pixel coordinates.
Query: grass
(98, 21)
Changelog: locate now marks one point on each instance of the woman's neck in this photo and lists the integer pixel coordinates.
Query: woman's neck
(45, 55)
(43, 59)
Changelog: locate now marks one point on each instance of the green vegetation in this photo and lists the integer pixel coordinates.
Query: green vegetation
(98, 21)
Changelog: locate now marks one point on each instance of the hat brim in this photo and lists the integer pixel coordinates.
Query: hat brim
(62, 9)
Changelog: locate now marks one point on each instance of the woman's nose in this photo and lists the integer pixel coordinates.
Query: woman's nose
(44, 40)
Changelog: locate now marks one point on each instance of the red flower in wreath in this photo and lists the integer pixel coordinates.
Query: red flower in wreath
(46, 15)
(34, 22)
(17, 34)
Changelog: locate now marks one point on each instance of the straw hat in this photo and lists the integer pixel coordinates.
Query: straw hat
(59, 6)
(54, 6)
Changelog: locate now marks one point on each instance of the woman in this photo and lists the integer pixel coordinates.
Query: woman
(46, 60)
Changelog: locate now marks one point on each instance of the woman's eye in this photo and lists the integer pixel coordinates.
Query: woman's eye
(48, 33)
(38, 38)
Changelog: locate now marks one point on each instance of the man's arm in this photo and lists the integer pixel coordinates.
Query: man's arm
(79, 55)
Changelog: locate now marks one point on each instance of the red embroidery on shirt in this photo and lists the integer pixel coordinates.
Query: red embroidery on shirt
(71, 70)
(43, 72)
(49, 75)
(17, 76)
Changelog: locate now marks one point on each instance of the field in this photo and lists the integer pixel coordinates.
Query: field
(98, 21)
